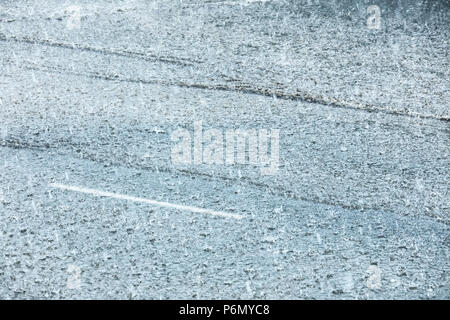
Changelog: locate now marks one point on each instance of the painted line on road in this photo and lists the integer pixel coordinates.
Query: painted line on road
(119, 196)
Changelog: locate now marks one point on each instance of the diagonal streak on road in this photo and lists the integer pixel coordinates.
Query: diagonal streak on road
(100, 193)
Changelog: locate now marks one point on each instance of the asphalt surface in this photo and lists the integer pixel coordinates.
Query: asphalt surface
(358, 209)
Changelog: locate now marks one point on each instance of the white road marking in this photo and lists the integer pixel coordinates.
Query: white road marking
(143, 200)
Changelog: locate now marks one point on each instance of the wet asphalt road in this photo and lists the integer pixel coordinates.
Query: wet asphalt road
(358, 209)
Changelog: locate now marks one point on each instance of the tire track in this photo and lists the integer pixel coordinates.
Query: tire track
(240, 86)
(245, 88)
(116, 52)
(275, 190)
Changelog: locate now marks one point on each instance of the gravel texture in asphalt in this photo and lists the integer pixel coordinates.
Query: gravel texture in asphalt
(358, 208)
